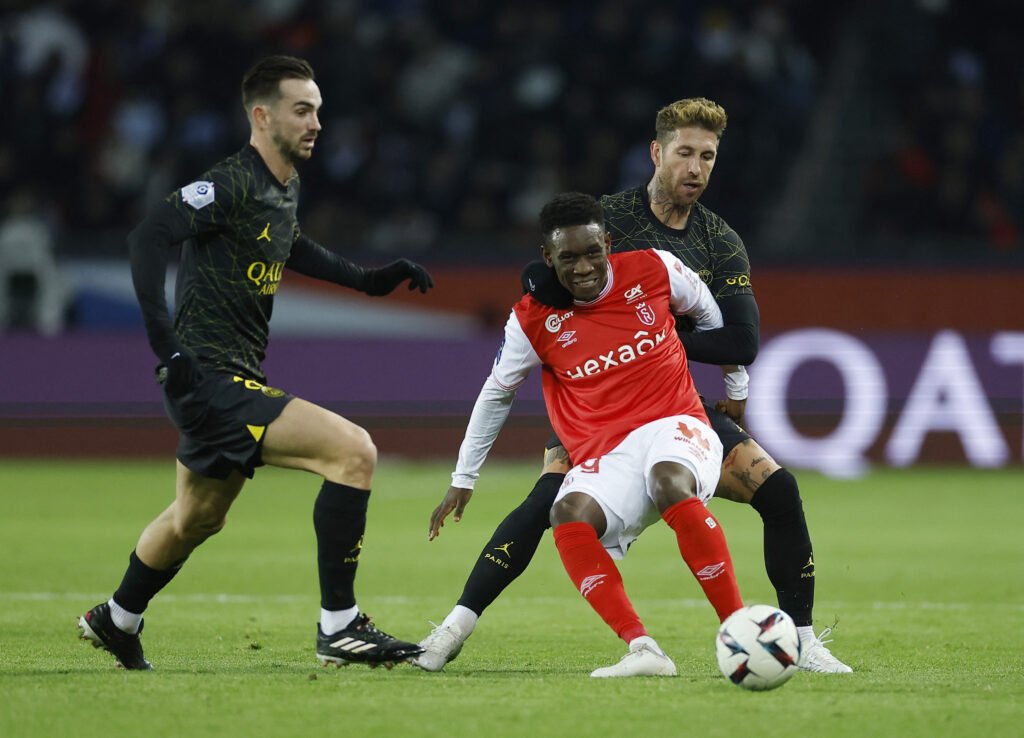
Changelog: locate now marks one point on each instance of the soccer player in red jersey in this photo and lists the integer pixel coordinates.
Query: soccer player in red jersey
(621, 399)
(664, 214)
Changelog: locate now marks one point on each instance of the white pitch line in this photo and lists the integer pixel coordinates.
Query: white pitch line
(284, 599)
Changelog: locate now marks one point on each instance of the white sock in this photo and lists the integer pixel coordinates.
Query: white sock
(806, 633)
(331, 621)
(462, 617)
(129, 622)
(636, 643)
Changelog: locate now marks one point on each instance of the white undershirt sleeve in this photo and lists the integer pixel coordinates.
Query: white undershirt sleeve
(516, 358)
(690, 296)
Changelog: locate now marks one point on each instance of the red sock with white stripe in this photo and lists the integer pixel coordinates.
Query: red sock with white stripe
(597, 578)
(702, 544)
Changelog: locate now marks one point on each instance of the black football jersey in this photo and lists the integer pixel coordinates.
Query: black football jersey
(242, 224)
(707, 244)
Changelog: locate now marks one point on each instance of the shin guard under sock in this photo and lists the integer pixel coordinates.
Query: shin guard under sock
(140, 584)
(512, 546)
(788, 557)
(597, 578)
(702, 544)
(339, 517)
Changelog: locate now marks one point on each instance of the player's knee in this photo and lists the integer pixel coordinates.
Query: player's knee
(556, 460)
(355, 458)
(743, 468)
(577, 507)
(778, 496)
(198, 524)
(556, 465)
(671, 483)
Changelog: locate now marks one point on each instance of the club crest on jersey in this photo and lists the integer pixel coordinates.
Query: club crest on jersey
(198, 194)
(554, 321)
(567, 339)
(634, 293)
(645, 313)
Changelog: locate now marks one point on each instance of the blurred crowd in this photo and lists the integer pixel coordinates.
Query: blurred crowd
(948, 170)
(448, 124)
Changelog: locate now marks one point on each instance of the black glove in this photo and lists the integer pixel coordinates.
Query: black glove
(540, 281)
(179, 374)
(383, 280)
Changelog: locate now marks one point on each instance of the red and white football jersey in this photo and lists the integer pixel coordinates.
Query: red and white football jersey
(616, 363)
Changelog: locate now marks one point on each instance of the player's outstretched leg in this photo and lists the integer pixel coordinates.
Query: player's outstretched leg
(704, 549)
(789, 561)
(502, 560)
(345, 635)
(597, 578)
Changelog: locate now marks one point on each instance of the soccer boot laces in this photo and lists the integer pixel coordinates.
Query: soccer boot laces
(816, 657)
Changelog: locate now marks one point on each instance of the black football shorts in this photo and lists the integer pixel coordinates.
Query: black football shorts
(222, 421)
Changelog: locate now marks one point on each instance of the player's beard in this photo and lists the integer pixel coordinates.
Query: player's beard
(666, 197)
(292, 152)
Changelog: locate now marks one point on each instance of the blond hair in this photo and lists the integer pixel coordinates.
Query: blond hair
(691, 111)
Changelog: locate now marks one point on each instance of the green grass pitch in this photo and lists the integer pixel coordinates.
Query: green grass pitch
(923, 568)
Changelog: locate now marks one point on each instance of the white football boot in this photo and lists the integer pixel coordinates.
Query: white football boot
(442, 645)
(644, 659)
(816, 657)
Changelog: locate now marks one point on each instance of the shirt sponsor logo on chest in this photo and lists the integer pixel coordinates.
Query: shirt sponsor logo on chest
(643, 311)
(642, 344)
(553, 323)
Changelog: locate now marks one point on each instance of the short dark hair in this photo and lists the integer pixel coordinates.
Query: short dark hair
(570, 209)
(262, 83)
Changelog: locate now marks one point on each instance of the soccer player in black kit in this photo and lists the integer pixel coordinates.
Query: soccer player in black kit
(666, 215)
(237, 229)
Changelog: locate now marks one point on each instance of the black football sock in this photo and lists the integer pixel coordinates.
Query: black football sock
(339, 517)
(512, 545)
(140, 584)
(788, 557)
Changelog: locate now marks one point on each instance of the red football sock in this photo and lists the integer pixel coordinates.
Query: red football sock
(702, 544)
(597, 578)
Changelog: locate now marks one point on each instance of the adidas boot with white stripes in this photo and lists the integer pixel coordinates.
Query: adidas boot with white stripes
(362, 643)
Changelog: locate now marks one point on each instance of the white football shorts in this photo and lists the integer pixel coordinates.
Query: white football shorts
(618, 481)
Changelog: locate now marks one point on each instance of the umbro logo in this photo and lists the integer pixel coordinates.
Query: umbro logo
(353, 645)
(588, 584)
(711, 571)
(568, 338)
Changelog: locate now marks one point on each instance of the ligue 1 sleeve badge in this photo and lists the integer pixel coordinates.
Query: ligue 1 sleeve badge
(198, 194)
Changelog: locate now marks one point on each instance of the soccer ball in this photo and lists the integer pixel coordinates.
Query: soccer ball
(758, 647)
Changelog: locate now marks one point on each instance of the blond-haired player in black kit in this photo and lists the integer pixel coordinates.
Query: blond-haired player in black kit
(237, 232)
(665, 215)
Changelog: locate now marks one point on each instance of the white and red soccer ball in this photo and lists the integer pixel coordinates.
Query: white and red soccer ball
(758, 647)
